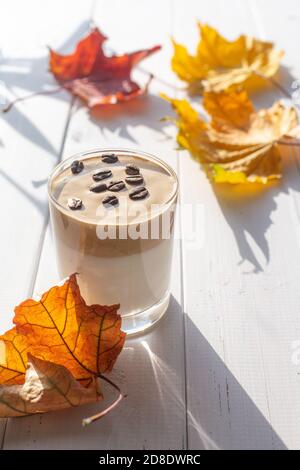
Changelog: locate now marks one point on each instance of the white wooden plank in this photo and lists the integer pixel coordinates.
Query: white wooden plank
(153, 414)
(284, 387)
(31, 136)
(241, 298)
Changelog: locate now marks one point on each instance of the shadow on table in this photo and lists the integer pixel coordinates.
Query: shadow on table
(247, 208)
(119, 118)
(31, 75)
(223, 414)
(35, 201)
(153, 416)
(265, 96)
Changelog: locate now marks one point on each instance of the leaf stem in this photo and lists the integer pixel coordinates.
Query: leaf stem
(26, 97)
(163, 82)
(100, 415)
(110, 382)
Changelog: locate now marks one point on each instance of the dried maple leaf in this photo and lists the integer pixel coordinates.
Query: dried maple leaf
(238, 144)
(220, 64)
(94, 77)
(47, 386)
(61, 330)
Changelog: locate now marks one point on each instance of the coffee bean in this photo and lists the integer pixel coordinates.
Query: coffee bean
(74, 203)
(132, 169)
(116, 186)
(77, 167)
(138, 193)
(109, 158)
(102, 175)
(98, 187)
(134, 179)
(111, 200)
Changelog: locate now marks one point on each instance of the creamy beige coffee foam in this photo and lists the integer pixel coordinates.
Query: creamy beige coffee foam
(132, 272)
(160, 184)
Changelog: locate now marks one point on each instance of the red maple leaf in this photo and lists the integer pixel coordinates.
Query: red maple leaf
(95, 77)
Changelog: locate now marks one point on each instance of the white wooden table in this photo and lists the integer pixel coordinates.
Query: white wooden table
(218, 371)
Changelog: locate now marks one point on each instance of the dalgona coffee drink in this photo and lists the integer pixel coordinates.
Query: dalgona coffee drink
(112, 215)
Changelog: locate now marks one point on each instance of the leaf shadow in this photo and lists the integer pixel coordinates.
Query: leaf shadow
(266, 95)
(145, 111)
(248, 208)
(39, 205)
(248, 213)
(31, 75)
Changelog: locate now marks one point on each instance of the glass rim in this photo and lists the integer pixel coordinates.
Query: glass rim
(64, 164)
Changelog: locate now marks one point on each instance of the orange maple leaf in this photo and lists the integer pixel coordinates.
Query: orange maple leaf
(95, 77)
(61, 330)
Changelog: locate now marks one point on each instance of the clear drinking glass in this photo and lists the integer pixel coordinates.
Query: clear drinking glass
(119, 258)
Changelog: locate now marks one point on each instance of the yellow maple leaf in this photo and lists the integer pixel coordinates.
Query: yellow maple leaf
(220, 64)
(237, 144)
(65, 338)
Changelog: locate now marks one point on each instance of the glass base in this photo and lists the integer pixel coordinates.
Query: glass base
(140, 322)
